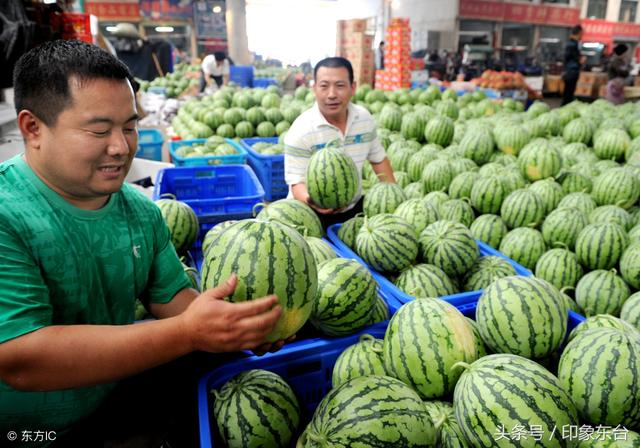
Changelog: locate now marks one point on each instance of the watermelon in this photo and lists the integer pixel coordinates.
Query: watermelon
(601, 292)
(417, 213)
(575, 182)
(562, 227)
(437, 175)
(349, 231)
(244, 129)
(630, 265)
(490, 229)
(417, 162)
(485, 270)
(600, 321)
(425, 280)
(457, 210)
(345, 298)
(449, 432)
(361, 359)
(372, 411)
(582, 201)
(383, 197)
(448, 245)
(412, 126)
(511, 139)
(256, 408)
(616, 438)
(559, 267)
(436, 198)
(295, 214)
(447, 107)
(462, 184)
(616, 186)
(524, 316)
(523, 245)
(400, 159)
(321, 250)
(390, 118)
(600, 246)
(477, 145)
(487, 194)
(414, 190)
(255, 116)
(630, 311)
(268, 258)
(332, 178)
(539, 161)
(181, 221)
(233, 116)
(578, 131)
(213, 233)
(550, 192)
(273, 116)
(611, 144)
(512, 180)
(607, 363)
(402, 179)
(265, 129)
(550, 123)
(387, 242)
(439, 130)
(611, 213)
(423, 342)
(522, 208)
(500, 392)
(380, 311)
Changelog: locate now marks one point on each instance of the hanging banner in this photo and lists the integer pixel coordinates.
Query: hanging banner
(498, 11)
(166, 9)
(114, 10)
(604, 31)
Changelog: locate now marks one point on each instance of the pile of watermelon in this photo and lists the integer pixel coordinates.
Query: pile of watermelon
(232, 112)
(213, 146)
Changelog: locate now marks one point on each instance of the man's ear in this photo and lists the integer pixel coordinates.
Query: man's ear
(31, 128)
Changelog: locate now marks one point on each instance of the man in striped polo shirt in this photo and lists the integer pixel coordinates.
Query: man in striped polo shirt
(332, 117)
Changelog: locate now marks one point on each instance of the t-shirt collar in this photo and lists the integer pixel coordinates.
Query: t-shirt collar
(320, 120)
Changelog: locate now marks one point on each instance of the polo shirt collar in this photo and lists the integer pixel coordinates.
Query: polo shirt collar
(320, 120)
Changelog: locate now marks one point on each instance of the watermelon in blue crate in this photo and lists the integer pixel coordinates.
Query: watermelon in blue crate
(268, 166)
(200, 152)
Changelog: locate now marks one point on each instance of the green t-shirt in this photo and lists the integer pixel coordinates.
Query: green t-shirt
(61, 265)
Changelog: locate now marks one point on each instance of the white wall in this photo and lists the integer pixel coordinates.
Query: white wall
(428, 15)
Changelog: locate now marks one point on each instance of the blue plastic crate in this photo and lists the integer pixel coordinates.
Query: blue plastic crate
(233, 159)
(215, 193)
(158, 90)
(268, 168)
(392, 290)
(241, 75)
(264, 82)
(306, 366)
(150, 144)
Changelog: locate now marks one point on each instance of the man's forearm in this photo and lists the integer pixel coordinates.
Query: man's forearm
(176, 306)
(60, 357)
(384, 171)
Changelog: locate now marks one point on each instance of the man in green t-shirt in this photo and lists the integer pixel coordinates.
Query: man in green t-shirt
(78, 246)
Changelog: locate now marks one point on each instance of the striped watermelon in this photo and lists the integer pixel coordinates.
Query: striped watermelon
(485, 270)
(578, 131)
(607, 363)
(562, 227)
(611, 144)
(477, 145)
(349, 231)
(600, 246)
(582, 201)
(460, 164)
(512, 179)
(550, 122)
(402, 179)
(539, 161)
(256, 408)
(630, 311)
(616, 186)
(549, 191)
(462, 184)
(345, 298)
(611, 213)
(361, 359)
(487, 194)
(417, 162)
(417, 213)
(412, 126)
(390, 118)
(522, 208)
(380, 311)
(332, 178)
(370, 411)
(457, 210)
(383, 197)
(575, 182)
(604, 165)
(511, 139)
(320, 250)
(437, 176)
(613, 439)
(213, 233)
(414, 190)
(481, 348)
(423, 342)
(449, 246)
(491, 169)
(490, 229)
(439, 130)
(601, 321)
(524, 245)
(181, 221)
(436, 198)
(295, 214)
(500, 392)
(425, 280)
(400, 159)
(268, 258)
(630, 265)
(525, 316)
(559, 267)
(387, 242)
(449, 433)
(601, 292)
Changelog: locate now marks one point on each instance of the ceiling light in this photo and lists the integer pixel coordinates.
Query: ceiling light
(112, 29)
(217, 9)
(164, 29)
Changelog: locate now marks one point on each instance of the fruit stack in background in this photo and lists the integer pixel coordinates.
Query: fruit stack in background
(397, 57)
(353, 43)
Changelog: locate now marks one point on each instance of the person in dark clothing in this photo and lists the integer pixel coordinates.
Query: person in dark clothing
(618, 71)
(571, 64)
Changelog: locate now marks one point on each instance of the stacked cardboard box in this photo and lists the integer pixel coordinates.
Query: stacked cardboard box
(353, 43)
(589, 83)
(397, 57)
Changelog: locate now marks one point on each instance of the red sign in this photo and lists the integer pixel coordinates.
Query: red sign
(599, 30)
(163, 9)
(126, 10)
(517, 12)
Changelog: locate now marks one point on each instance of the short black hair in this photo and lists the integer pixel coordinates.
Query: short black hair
(576, 30)
(620, 49)
(41, 75)
(219, 56)
(335, 62)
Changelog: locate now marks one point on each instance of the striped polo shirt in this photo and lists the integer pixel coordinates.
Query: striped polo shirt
(311, 132)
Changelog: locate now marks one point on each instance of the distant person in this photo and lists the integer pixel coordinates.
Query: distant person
(215, 67)
(618, 71)
(146, 60)
(380, 56)
(572, 62)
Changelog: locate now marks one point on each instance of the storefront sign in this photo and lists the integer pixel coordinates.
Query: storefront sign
(165, 9)
(604, 31)
(114, 10)
(520, 13)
